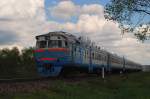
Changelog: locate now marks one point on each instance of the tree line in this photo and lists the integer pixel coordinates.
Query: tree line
(16, 64)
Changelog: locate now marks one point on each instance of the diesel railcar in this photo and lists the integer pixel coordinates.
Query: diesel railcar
(58, 50)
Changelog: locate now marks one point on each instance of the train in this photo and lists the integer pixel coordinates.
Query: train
(58, 50)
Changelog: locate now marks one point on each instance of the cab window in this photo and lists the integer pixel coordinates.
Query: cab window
(42, 44)
(54, 43)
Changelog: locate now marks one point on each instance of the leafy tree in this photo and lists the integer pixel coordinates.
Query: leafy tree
(9, 61)
(132, 16)
(28, 63)
(27, 55)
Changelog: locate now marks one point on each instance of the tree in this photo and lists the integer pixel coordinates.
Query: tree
(132, 16)
(9, 61)
(28, 63)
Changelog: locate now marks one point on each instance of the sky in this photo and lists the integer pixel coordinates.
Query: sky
(21, 21)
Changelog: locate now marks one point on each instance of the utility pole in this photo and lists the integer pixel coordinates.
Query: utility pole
(103, 72)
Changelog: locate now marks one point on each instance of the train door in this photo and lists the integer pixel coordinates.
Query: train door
(72, 49)
(76, 53)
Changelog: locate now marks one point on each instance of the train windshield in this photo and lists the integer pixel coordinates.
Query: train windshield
(52, 44)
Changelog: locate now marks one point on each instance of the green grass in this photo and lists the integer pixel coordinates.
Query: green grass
(134, 86)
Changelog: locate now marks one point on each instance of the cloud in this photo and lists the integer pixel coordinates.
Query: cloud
(20, 9)
(20, 21)
(91, 23)
(64, 10)
(92, 9)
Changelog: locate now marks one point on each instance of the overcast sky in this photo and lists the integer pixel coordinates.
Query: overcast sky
(22, 20)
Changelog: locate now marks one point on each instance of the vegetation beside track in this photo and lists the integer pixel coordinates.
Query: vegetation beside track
(130, 86)
(17, 64)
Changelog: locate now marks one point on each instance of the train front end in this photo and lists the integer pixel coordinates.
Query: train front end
(51, 54)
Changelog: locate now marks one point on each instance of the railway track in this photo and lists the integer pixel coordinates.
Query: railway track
(21, 80)
(30, 84)
(24, 85)
(34, 84)
(65, 78)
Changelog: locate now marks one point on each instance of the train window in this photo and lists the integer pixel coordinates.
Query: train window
(66, 43)
(54, 43)
(93, 55)
(84, 54)
(78, 49)
(42, 44)
(99, 57)
(75, 49)
(49, 43)
(88, 54)
(59, 43)
(58, 37)
(105, 58)
(96, 56)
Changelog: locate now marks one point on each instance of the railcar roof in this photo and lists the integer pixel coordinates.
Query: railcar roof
(57, 32)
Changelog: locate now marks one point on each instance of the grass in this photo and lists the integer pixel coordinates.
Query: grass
(133, 86)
